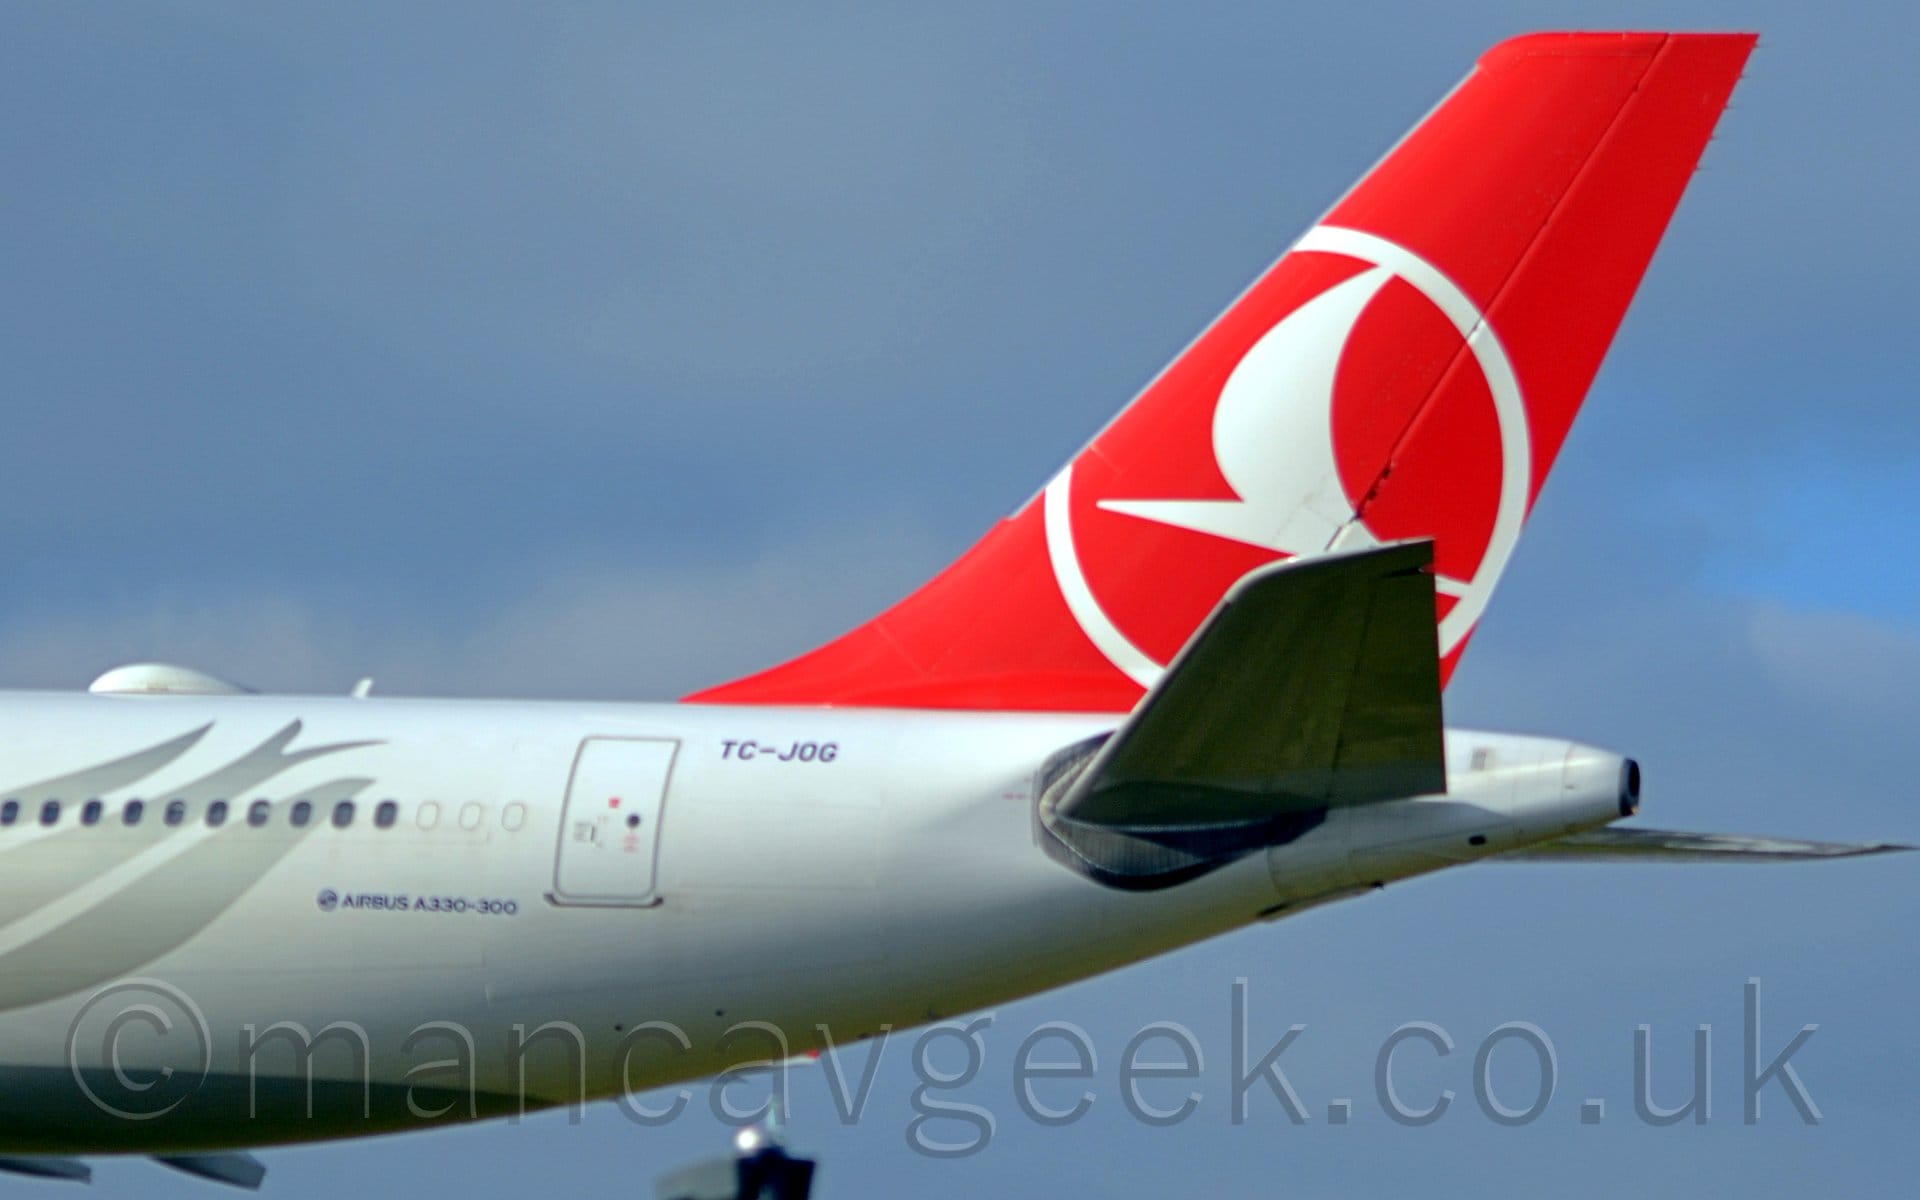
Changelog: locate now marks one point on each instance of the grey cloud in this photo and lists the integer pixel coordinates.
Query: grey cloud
(586, 630)
(496, 350)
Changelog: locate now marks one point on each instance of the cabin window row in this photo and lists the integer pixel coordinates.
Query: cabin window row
(299, 814)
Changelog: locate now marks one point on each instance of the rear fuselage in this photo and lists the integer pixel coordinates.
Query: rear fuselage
(424, 910)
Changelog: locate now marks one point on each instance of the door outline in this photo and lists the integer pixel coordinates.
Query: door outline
(651, 897)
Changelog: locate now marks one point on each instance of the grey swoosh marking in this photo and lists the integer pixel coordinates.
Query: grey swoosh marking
(56, 865)
(257, 766)
(69, 858)
(162, 910)
(111, 775)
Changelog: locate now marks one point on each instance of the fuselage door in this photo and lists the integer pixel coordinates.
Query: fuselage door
(610, 831)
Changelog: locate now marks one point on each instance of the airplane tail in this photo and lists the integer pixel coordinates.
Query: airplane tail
(1408, 369)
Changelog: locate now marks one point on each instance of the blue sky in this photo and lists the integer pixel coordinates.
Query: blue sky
(608, 352)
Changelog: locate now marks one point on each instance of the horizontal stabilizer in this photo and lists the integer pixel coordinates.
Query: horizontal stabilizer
(1314, 685)
(1661, 845)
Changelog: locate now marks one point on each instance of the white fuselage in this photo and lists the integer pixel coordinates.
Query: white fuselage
(590, 895)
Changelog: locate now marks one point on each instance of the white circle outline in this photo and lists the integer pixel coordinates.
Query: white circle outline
(1516, 450)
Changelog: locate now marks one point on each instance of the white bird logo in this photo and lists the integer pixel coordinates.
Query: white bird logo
(1273, 436)
(1273, 444)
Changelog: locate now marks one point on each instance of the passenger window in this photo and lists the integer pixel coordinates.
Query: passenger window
(90, 813)
(385, 815)
(176, 811)
(301, 814)
(9, 812)
(428, 816)
(49, 812)
(343, 814)
(132, 813)
(513, 816)
(217, 813)
(471, 816)
(258, 812)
